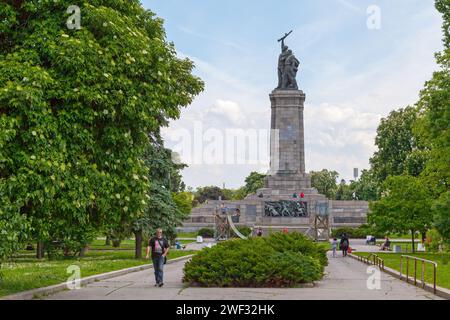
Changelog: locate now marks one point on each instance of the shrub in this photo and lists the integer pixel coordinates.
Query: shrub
(356, 233)
(257, 262)
(351, 232)
(206, 233)
(290, 268)
(297, 242)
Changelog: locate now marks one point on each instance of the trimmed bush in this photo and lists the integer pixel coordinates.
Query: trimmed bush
(206, 233)
(258, 262)
(351, 232)
(297, 242)
(356, 233)
(290, 268)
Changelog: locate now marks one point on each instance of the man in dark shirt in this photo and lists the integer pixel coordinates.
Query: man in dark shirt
(344, 244)
(159, 247)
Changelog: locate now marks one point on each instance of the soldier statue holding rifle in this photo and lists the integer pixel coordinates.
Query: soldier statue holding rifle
(288, 66)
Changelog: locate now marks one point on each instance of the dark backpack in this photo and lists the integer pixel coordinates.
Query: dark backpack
(345, 243)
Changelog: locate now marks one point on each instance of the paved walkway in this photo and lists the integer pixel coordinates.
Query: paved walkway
(359, 245)
(345, 278)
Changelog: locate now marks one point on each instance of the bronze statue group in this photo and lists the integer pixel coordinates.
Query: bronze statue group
(288, 66)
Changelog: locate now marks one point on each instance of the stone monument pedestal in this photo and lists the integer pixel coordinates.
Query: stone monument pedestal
(287, 146)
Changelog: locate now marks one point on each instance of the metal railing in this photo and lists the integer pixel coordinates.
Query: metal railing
(415, 270)
(372, 259)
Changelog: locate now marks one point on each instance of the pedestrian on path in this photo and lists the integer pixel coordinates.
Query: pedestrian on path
(344, 244)
(334, 247)
(159, 247)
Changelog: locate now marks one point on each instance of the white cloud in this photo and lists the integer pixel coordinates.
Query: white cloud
(339, 137)
(218, 77)
(391, 81)
(341, 116)
(228, 110)
(350, 6)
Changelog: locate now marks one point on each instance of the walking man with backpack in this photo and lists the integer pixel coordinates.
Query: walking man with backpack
(159, 247)
(344, 244)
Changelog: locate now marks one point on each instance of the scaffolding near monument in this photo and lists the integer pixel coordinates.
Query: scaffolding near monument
(224, 224)
(322, 221)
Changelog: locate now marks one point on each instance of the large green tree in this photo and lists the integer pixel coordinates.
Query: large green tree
(209, 193)
(254, 182)
(76, 110)
(167, 206)
(366, 187)
(432, 129)
(416, 141)
(344, 191)
(398, 150)
(325, 182)
(441, 211)
(405, 206)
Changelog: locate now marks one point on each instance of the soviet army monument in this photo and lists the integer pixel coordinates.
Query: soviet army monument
(287, 202)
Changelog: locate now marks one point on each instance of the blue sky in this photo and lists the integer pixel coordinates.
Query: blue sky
(352, 76)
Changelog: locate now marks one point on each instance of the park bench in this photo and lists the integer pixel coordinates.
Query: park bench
(371, 240)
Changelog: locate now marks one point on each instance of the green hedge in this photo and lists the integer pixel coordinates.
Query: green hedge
(280, 260)
(356, 233)
(206, 233)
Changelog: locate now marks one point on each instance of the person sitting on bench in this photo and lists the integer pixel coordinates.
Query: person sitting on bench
(386, 245)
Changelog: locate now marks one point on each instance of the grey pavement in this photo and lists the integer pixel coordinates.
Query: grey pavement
(359, 245)
(199, 246)
(345, 279)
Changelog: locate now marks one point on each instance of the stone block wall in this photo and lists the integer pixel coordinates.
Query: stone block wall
(348, 213)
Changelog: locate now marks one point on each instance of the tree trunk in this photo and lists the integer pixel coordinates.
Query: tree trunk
(40, 250)
(82, 252)
(108, 241)
(66, 251)
(138, 244)
(413, 234)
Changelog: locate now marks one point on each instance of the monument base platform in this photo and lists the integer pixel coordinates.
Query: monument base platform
(256, 211)
(293, 182)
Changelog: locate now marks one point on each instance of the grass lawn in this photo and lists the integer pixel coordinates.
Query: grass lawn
(405, 236)
(405, 246)
(99, 244)
(24, 272)
(187, 235)
(392, 260)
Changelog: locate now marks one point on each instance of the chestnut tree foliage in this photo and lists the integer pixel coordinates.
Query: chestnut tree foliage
(77, 108)
(414, 156)
(433, 130)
